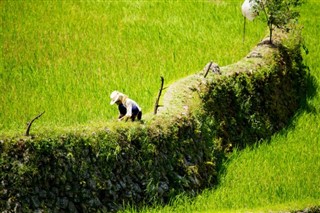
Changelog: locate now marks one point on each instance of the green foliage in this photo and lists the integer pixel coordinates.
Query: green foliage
(67, 63)
(104, 170)
(250, 106)
(280, 174)
(156, 161)
(278, 13)
(146, 163)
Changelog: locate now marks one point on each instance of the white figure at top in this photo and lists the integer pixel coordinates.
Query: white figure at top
(248, 10)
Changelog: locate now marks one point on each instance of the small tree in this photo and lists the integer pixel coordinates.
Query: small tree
(278, 13)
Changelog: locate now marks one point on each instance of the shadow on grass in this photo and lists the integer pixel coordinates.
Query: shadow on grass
(224, 158)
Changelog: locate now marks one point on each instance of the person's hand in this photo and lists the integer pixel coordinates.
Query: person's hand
(124, 118)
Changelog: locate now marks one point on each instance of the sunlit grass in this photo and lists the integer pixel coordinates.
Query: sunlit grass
(66, 57)
(281, 174)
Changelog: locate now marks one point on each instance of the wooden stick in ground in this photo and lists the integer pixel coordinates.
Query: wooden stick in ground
(156, 105)
(205, 75)
(244, 29)
(30, 123)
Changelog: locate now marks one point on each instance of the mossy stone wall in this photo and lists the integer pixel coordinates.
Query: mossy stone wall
(178, 150)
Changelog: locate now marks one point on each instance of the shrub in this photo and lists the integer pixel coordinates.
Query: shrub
(174, 152)
(246, 107)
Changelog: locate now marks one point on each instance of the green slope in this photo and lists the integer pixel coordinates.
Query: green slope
(281, 174)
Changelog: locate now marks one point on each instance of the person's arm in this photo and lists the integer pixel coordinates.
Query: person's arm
(129, 110)
(122, 111)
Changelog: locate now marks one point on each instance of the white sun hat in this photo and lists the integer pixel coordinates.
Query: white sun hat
(115, 95)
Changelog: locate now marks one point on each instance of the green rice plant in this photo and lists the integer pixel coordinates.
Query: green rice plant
(280, 174)
(66, 57)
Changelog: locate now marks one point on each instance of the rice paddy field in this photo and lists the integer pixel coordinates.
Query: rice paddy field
(281, 174)
(66, 57)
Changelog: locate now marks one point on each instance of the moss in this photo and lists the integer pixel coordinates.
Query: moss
(179, 150)
(254, 101)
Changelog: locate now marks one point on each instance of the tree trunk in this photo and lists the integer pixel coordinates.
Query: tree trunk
(270, 30)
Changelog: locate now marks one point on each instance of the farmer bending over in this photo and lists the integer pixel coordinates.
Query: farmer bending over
(128, 108)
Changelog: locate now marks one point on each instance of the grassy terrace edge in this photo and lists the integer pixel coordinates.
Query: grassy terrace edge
(179, 150)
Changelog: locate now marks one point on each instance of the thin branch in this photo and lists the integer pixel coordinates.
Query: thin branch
(262, 5)
(205, 75)
(156, 105)
(30, 123)
(269, 19)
